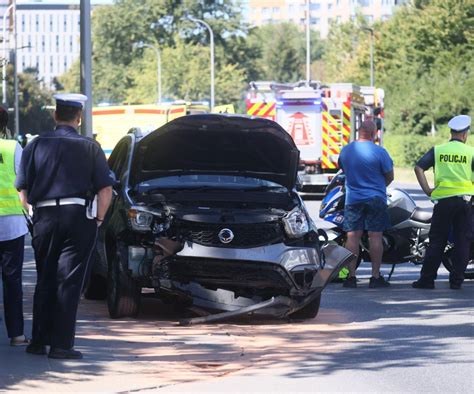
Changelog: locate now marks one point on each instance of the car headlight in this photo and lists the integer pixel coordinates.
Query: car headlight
(296, 224)
(140, 219)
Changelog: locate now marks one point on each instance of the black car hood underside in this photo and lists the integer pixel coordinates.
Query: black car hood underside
(219, 145)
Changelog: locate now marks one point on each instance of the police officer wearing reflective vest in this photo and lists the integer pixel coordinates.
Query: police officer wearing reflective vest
(60, 172)
(12, 235)
(452, 194)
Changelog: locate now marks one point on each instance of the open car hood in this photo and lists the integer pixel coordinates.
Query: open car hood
(217, 144)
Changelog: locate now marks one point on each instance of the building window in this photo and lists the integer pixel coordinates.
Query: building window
(57, 43)
(37, 23)
(65, 63)
(43, 45)
(329, 6)
(314, 21)
(79, 22)
(51, 28)
(70, 43)
(37, 62)
(314, 6)
(65, 23)
(51, 63)
(338, 19)
(275, 10)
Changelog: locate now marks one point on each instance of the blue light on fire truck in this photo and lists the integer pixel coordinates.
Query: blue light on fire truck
(297, 102)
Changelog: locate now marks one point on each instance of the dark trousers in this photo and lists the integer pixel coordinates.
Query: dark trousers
(63, 241)
(454, 214)
(11, 262)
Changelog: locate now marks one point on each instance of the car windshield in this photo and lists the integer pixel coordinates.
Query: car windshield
(208, 182)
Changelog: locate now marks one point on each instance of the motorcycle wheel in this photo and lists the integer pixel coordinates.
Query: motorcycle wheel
(448, 264)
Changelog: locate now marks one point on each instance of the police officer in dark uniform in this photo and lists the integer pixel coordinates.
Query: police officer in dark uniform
(60, 172)
(452, 194)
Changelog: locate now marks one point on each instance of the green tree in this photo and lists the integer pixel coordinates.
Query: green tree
(185, 75)
(281, 50)
(34, 102)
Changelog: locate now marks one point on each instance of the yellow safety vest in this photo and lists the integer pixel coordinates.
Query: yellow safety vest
(9, 201)
(453, 170)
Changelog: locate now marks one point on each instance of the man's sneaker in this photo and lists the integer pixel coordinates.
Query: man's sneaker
(421, 284)
(350, 282)
(455, 286)
(378, 282)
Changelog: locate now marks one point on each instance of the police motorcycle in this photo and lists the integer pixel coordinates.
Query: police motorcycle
(405, 241)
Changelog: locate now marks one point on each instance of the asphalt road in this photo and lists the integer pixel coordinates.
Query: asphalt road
(363, 340)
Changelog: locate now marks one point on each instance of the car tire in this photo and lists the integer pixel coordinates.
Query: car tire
(309, 311)
(123, 292)
(448, 263)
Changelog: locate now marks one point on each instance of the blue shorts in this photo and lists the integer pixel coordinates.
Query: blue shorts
(369, 215)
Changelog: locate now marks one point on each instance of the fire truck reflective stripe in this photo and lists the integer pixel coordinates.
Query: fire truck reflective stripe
(346, 123)
(270, 112)
(264, 109)
(332, 145)
(329, 143)
(326, 163)
(332, 135)
(254, 108)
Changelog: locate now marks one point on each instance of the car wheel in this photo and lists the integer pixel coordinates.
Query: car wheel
(448, 264)
(309, 311)
(123, 292)
(96, 286)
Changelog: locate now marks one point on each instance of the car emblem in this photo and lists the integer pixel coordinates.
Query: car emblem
(226, 235)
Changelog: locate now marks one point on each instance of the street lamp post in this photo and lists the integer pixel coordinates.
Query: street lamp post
(371, 31)
(158, 61)
(15, 82)
(4, 60)
(308, 43)
(211, 35)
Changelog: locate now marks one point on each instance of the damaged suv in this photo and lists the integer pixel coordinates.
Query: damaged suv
(206, 214)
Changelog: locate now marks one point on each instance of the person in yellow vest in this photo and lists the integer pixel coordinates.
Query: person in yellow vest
(12, 236)
(452, 195)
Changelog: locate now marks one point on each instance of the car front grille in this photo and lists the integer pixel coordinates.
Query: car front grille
(245, 235)
(230, 273)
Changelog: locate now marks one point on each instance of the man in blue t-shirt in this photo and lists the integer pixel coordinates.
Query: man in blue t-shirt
(369, 170)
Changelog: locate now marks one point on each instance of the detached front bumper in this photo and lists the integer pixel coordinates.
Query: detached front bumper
(285, 269)
(287, 262)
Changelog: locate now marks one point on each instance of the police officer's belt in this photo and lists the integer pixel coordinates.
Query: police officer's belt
(60, 201)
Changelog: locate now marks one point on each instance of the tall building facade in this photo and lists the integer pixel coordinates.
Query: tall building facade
(322, 12)
(48, 35)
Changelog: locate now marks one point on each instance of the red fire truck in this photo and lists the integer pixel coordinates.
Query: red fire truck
(320, 118)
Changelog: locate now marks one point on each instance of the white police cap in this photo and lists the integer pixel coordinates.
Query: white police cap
(70, 99)
(460, 123)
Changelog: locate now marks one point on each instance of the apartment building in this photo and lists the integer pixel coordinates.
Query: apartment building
(48, 35)
(322, 12)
